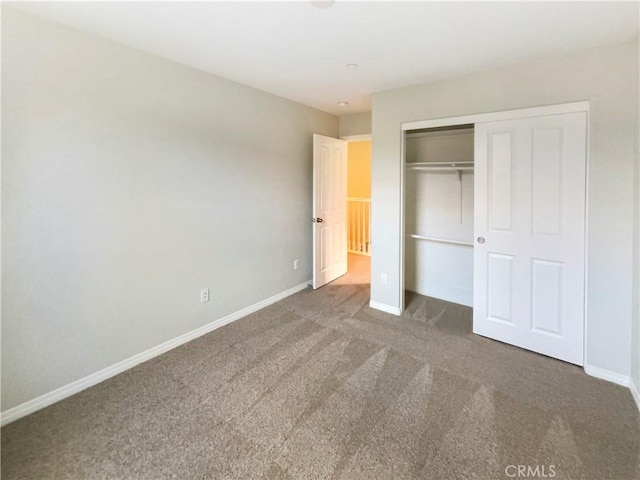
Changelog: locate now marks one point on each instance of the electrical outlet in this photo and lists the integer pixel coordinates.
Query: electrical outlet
(204, 295)
(383, 279)
(296, 264)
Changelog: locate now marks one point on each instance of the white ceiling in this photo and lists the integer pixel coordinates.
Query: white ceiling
(300, 52)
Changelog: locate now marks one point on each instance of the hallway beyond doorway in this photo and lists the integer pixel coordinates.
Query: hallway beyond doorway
(358, 271)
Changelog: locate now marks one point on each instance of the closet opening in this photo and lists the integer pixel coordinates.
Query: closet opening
(439, 212)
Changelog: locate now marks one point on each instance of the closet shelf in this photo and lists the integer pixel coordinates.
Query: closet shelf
(458, 166)
(440, 240)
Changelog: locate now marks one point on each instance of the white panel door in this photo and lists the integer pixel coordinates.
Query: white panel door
(329, 209)
(529, 222)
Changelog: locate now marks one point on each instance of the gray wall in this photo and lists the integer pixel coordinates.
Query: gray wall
(129, 183)
(608, 78)
(355, 124)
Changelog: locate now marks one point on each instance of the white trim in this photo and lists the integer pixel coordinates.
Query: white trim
(617, 378)
(635, 393)
(573, 107)
(383, 307)
(608, 375)
(587, 176)
(90, 380)
(402, 240)
(356, 138)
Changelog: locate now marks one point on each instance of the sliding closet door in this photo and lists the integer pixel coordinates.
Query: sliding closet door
(529, 222)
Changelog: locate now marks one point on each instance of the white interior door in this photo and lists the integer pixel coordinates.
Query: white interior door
(529, 223)
(329, 209)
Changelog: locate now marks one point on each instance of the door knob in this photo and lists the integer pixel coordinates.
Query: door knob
(481, 240)
(319, 220)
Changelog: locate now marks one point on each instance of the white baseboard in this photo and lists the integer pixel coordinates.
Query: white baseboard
(90, 380)
(608, 375)
(461, 296)
(635, 393)
(383, 307)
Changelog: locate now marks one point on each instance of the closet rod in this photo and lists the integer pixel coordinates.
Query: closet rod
(441, 240)
(443, 168)
(428, 164)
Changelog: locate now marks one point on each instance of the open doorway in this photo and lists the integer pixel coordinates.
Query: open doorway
(341, 210)
(359, 209)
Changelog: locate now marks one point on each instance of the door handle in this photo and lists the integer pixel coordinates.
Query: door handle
(319, 220)
(481, 240)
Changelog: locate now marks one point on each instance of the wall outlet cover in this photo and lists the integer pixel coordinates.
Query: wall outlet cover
(204, 295)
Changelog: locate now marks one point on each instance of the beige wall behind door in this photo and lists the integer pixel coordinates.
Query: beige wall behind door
(359, 183)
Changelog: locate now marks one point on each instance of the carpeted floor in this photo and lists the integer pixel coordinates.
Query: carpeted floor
(321, 386)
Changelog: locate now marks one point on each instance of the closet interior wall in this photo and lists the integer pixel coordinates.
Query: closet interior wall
(438, 183)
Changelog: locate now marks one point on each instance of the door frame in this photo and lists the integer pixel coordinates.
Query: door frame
(555, 109)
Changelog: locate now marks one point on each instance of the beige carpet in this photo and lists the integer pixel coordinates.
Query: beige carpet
(321, 386)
